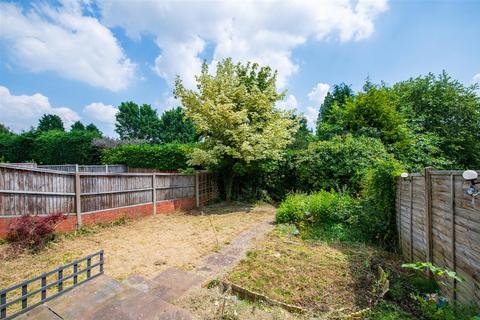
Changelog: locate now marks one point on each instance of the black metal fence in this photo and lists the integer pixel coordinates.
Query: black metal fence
(18, 299)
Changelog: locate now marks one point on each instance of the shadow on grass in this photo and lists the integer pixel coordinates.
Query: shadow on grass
(225, 207)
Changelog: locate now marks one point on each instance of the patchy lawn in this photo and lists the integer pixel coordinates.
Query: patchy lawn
(330, 280)
(144, 247)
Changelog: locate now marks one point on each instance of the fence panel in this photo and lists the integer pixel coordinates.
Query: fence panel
(438, 221)
(30, 191)
(39, 191)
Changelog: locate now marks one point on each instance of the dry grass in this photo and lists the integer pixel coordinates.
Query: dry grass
(144, 247)
(327, 279)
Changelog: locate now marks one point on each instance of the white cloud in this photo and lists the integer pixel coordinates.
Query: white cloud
(102, 115)
(21, 112)
(311, 115)
(263, 31)
(318, 93)
(476, 78)
(63, 40)
(289, 103)
(316, 96)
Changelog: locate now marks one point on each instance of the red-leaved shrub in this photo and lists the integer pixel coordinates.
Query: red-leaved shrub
(33, 232)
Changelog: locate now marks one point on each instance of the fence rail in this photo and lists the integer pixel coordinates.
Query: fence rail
(439, 223)
(38, 191)
(17, 299)
(112, 168)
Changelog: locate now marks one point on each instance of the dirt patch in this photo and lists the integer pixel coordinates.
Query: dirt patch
(143, 247)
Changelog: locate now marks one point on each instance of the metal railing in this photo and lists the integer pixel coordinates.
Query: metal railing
(63, 283)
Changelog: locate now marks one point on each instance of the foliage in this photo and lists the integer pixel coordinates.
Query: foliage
(17, 148)
(161, 157)
(174, 127)
(93, 128)
(317, 209)
(335, 98)
(137, 122)
(50, 122)
(4, 129)
(303, 136)
(57, 147)
(339, 163)
(373, 113)
(77, 125)
(33, 232)
(235, 115)
(377, 217)
(445, 108)
(436, 271)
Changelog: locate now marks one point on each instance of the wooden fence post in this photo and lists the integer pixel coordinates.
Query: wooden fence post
(428, 213)
(454, 259)
(197, 189)
(411, 218)
(154, 193)
(106, 168)
(78, 200)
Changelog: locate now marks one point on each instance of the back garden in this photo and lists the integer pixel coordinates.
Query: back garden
(333, 252)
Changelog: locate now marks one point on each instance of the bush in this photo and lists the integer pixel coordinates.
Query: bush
(161, 157)
(339, 163)
(33, 232)
(319, 208)
(377, 217)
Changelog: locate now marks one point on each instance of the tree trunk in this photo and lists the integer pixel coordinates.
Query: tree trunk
(228, 184)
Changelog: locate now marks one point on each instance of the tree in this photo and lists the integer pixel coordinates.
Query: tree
(234, 113)
(77, 126)
(137, 122)
(93, 129)
(340, 94)
(442, 107)
(373, 113)
(174, 127)
(50, 122)
(4, 129)
(303, 135)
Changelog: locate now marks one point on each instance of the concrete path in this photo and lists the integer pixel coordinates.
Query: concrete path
(141, 298)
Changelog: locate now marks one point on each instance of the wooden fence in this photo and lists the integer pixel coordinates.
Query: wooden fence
(438, 222)
(38, 192)
(114, 168)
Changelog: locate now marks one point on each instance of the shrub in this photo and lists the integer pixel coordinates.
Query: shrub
(377, 217)
(161, 157)
(34, 232)
(319, 208)
(339, 163)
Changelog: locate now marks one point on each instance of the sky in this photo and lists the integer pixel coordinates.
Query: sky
(80, 59)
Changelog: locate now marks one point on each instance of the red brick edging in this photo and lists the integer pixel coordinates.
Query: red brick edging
(109, 215)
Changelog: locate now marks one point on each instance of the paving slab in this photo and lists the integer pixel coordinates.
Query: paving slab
(39, 313)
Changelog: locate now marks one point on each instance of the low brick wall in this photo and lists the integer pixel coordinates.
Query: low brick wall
(104, 216)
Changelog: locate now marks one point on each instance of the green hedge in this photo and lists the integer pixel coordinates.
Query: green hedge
(50, 147)
(161, 157)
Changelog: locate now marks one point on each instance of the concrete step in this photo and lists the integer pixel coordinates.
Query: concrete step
(106, 298)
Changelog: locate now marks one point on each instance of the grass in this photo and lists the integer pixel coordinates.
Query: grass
(333, 279)
(318, 276)
(145, 247)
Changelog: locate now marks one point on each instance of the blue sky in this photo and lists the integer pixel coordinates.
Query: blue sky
(80, 59)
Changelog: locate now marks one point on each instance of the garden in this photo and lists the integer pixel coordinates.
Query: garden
(334, 251)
